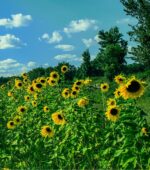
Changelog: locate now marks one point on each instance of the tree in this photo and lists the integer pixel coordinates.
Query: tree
(113, 49)
(85, 68)
(139, 9)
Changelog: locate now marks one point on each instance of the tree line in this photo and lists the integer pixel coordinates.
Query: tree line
(113, 49)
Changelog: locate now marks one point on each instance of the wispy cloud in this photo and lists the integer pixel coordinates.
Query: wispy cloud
(65, 47)
(56, 37)
(88, 42)
(10, 41)
(11, 67)
(125, 21)
(17, 20)
(80, 26)
(67, 57)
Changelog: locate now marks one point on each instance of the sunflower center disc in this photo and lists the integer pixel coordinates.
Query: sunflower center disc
(134, 86)
(114, 112)
(60, 117)
(48, 129)
(39, 85)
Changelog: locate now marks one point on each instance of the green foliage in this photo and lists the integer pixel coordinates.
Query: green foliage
(140, 9)
(113, 49)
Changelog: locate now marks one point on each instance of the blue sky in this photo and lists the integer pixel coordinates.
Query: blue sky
(44, 32)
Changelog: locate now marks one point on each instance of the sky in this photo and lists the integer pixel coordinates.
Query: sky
(42, 33)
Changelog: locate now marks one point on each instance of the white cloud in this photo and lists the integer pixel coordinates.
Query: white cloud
(17, 20)
(31, 64)
(97, 39)
(64, 56)
(80, 26)
(65, 47)
(125, 21)
(9, 41)
(54, 38)
(11, 67)
(68, 57)
(88, 42)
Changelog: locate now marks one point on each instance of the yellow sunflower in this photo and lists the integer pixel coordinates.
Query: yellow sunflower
(132, 89)
(11, 125)
(52, 82)
(24, 75)
(58, 118)
(37, 86)
(65, 93)
(21, 109)
(74, 93)
(75, 88)
(117, 93)
(120, 79)
(112, 113)
(111, 102)
(36, 96)
(64, 69)
(30, 89)
(46, 109)
(43, 81)
(83, 102)
(17, 120)
(18, 84)
(54, 75)
(104, 87)
(47, 131)
(144, 131)
(10, 94)
(87, 81)
(78, 83)
(27, 98)
(34, 103)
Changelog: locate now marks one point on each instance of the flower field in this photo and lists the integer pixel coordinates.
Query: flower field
(50, 124)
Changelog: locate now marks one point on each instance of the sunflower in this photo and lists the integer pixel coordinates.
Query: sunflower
(25, 80)
(34, 103)
(75, 88)
(42, 81)
(52, 82)
(104, 87)
(87, 81)
(74, 93)
(64, 69)
(144, 131)
(30, 89)
(47, 131)
(18, 84)
(27, 98)
(120, 79)
(78, 83)
(46, 109)
(65, 93)
(111, 102)
(17, 120)
(117, 93)
(21, 109)
(58, 118)
(36, 96)
(10, 94)
(83, 102)
(24, 75)
(11, 125)
(54, 75)
(112, 113)
(132, 89)
(37, 86)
